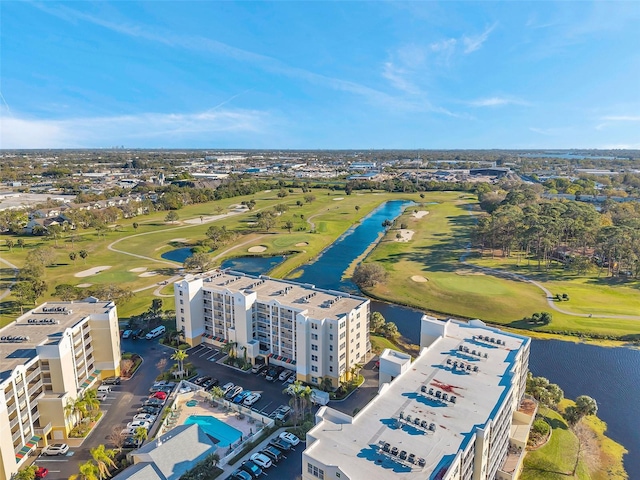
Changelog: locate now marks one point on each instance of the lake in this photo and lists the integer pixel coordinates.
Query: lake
(610, 375)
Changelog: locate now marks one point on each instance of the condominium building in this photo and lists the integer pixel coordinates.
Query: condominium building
(321, 334)
(50, 356)
(455, 412)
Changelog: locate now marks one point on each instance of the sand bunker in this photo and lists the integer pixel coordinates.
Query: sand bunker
(257, 249)
(180, 240)
(138, 269)
(339, 198)
(419, 279)
(85, 285)
(148, 274)
(420, 214)
(405, 235)
(92, 271)
(302, 244)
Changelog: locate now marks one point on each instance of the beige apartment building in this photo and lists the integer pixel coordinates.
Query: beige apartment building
(321, 334)
(457, 412)
(50, 356)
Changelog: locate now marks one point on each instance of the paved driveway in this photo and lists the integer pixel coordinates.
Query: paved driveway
(119, 408)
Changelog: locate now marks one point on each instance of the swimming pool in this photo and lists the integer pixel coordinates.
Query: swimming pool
(223, 434)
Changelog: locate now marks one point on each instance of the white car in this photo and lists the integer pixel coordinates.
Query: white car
(55, 449)
(127, 333)
(251, 399)
(261, 460)
(138, 423)
(285, 374)
(290, 437)
(144, 417)
(128, 432)
(227, 386)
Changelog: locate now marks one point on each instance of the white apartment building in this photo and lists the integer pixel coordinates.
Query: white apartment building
(321, 334)
(454, 413)
(50, 356)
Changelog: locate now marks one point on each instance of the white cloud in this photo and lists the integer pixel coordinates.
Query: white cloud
(544, 131)
(157, 129)
(622, 118)
(397, 76)
(496, 102)
(471, 44)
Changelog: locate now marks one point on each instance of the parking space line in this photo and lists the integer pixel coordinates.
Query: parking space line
(207, 351)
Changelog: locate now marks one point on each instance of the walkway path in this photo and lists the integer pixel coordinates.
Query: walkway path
(7, 292)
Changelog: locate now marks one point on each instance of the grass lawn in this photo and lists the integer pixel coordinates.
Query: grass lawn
(450, 287)
(602, 460)
(555, 460)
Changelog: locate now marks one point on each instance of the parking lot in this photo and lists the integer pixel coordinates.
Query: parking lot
(272, 396)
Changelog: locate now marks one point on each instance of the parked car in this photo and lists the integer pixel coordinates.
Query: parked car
(130, 442)
(231, 393)
(279, 369)
(258, 368)
(282, 413)
(200, 380)
(150, 409)
(251, 399)
(128, 432)
(227, 386)
(241, 396)
(240, 475)
(127, 333)
(41, 472)
(139, 333)
(284, 375)
(291, 379)
(145, 417)
(290, 437)
(275, 454)
(261, 460)
(55, 449)
(102, 396)
(272, 374)
(153, 402)
(111, 381)
(280, 444)
(139, 423)
(251, 468)
(212, 382)
(160, 394)
(185, 389)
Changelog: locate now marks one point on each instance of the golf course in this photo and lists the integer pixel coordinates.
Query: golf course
(427, 253)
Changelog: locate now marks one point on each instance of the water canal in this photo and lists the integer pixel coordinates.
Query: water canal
(610, 375)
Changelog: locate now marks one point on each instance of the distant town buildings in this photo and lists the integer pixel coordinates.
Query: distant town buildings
(456, 412)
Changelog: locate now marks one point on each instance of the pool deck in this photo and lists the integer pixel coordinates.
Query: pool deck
(230, 417)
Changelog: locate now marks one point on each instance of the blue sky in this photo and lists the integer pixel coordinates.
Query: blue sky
(169, 74)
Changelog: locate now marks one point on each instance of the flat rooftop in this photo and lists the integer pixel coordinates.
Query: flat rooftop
(41, 326)
(444, 427)
(318, 303)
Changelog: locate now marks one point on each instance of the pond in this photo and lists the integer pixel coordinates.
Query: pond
(253, 265)
(178, 255)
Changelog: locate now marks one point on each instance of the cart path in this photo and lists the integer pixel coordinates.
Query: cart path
(7, 292)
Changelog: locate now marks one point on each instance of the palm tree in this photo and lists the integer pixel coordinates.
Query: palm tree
(229, 348)
(140, 435)
(213, 459)
(104, 460)
(90, 399)
(180, 356)
(83, 255)
(27, 473)
(73, 256)
(216, 393)
(9, 243)
(88, 471)
(301, 394)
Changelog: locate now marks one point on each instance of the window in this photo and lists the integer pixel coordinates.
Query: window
(331, 369)
(331, 348)
(314, 347)
(181, 302)
(314, 326)
(358, 345)
(358, 325)
(358, 335)
(338, 473)
(342, 357)
(182, 310)
(314, 358)
(331, 358)
(331, 336)
(312, 469)
(180, 292)
(314, 368)
(314, 336)
(315, 380)
(343, 345)
(342, 335)
(182, 319)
